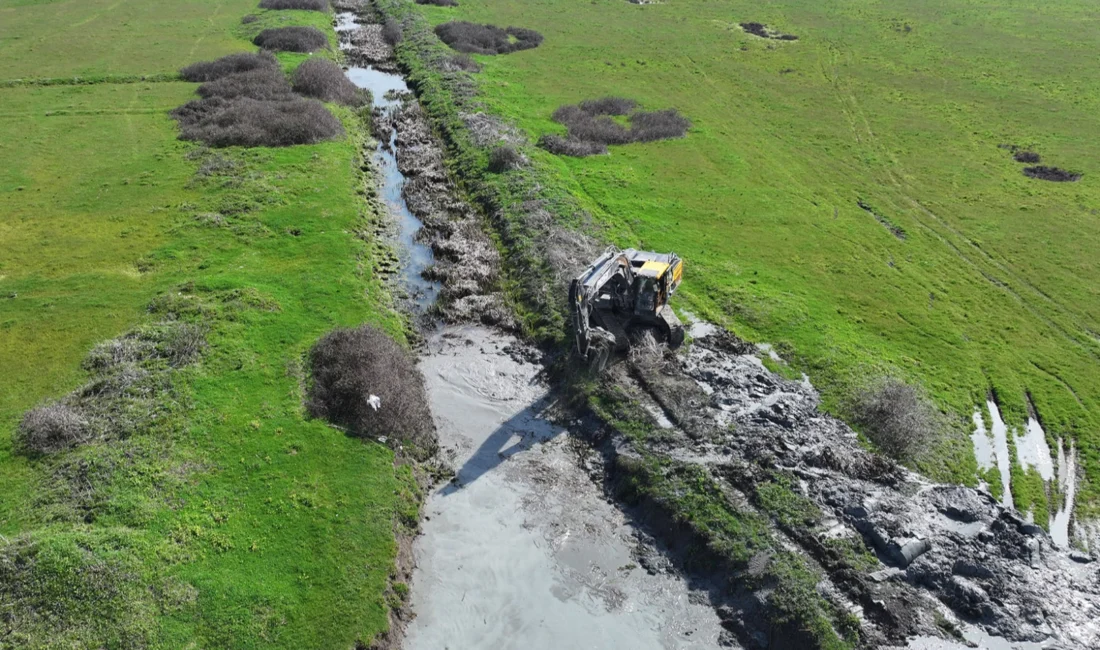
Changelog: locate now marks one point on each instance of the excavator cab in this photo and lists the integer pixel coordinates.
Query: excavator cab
(621, 294)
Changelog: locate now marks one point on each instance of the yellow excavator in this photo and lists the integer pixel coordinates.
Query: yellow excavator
(621, 297)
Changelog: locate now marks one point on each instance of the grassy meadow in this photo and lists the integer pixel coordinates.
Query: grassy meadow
(958, 272)
(237, 522)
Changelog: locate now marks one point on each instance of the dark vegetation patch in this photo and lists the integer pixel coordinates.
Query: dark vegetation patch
(473, 38)
(896, 417)
(365, 381)
(763, 31)
(249, 102)
(322, 79)
(438, 3)
(291, 39)
(1026, 157)
(391, 32)
(591, 126)
(894, 228)
(249, 19)
(505, 158)
(464, 62)
(303, 5)
(233, 63)
(1043, 172)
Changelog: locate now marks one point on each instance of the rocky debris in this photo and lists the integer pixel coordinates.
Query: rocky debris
(951, 544)
(364, 46)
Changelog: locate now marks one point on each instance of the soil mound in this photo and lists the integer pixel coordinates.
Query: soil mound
(763, 31)
(473, 38)
(1045, 173)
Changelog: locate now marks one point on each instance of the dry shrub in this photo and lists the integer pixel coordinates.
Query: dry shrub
(324, 80)
(1026, 157)
(291, 39)
(233, 63)
(51, 428)
(608, 106)
(1042, 172)
(349, 365)
(561, 146)
(438, 3)
(463, 62)
(303, 5)
(391, 32)
(248, 19)
(896, 417)
(261, 83)
(248, 122)
(473, 38)
(658, 125)
(506, 158)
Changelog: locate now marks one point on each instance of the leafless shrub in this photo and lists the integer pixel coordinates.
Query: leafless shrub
(348, 366)
(324, 80)
(50, 428)
(391, 32)
(560, 146)
(896, 417)
(473, 38)
(249, 18)
(608, 106)
(291, 39)
(438, 3)
(1026, 157)
(1045, 173)
(261, 83)
(506, 158)
(303, 5)
(658, 125)
(463, 62)
(248, 122)
(231, 64)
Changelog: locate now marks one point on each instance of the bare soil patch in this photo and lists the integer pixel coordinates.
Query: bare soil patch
(473, 38)
(763, 31)
(1045, 173)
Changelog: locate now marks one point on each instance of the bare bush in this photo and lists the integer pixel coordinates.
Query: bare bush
(560, 146)
(473, 38)
(349, 366)
(608, 106)
(247, 122)
(1026, 157)
(231, 64)
(291, 39)
(1058, 175)
(438, 3)
(658, 125)
(50, 428)
(303, 5)
(896, 417)
(249, 19)
(463, 62)
(506, 158)
(391, 32)
(324, 80)
(261, 83)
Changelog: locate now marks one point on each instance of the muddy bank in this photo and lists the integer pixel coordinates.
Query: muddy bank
(523, 547)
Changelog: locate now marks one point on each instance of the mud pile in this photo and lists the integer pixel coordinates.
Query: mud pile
(936, 544)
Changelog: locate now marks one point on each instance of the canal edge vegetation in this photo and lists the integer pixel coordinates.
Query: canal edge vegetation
(224, 515)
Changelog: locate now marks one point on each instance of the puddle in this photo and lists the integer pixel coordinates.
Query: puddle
(524, 550)
(1067, 485)
(1000, 451)
(415, 256)
(983, 448)
(1032, 449)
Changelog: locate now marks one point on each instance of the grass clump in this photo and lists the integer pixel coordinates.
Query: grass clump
(473, 38)
(322, 79)
(302, 5)
(896, 417)
(231, 64)
(291, 39)
(365, 381)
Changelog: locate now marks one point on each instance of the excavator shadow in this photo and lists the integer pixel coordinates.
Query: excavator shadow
(517, 434)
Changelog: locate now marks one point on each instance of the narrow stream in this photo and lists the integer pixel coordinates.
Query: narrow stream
(523, 549)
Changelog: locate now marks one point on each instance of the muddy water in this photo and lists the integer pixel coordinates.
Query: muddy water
(522, 549)
(1032, 449)
(415, 256)
(1067, 484)
(1000, 451)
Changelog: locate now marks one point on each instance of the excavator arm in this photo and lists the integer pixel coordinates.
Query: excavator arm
(587, 288)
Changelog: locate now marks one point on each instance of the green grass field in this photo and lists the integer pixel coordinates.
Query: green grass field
(901, 106)
(244, 524)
